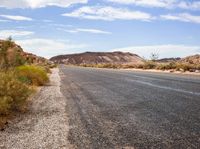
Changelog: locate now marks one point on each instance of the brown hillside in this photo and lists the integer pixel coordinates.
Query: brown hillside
(168, 60)
(98, 58)
(195, 59)
(14, 55)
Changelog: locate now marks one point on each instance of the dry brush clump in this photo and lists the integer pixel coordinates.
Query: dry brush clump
(32, 75)
(16, 86)
(13, 93)
(176, 66)
(102, 65)
(18, 79)
(10, 55)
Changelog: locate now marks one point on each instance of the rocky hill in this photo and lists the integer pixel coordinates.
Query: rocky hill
(98, 58)
(195, 59)
(12, 54)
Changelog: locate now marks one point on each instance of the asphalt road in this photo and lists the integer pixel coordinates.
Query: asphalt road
(129, 109)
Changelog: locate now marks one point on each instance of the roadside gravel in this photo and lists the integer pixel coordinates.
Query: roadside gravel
(45, 125)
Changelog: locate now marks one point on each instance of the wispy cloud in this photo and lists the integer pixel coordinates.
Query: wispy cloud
(164, 51)
(195, 5)
(147, 3)
(184, 17)
(3, 20)
(87, 30)
(48, 21)
(14, 33)
(60, 25)
(16, 18)
(169, 4)
(38, 3)
(49, 47)
(108, 13)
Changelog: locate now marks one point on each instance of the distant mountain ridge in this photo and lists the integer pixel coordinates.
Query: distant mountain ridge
(166, 60)
(98, 58)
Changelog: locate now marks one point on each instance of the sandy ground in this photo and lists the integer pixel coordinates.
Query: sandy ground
(45, 125)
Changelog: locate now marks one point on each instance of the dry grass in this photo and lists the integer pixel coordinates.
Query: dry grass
(176, 66)
(32, 75)
(13, 94)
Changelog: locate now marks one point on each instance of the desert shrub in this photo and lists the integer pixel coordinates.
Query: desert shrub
(139, 66)
(108, 65)
(13, 93)
(166, 66)
(102, 65)
(149, 65)
(53, 66)
(128, 66)
(33, 75)
(183, 67)
(197, 66)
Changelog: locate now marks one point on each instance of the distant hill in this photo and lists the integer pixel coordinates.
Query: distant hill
(16, 56)
(167, 60)
(98, 58)
(195, 59)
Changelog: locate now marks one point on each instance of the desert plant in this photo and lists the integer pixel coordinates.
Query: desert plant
(149, 65)
(154, 56)
(13, 93)
(166, 66)
(9, 56)
(33, 75)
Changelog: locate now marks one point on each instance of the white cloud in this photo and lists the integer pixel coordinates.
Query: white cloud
(148, 3)
(49, 47)
(184, 17)
(108, 13)
(14, 33)
(195, 5)
(16, 18)
(164, 51)
(87, 30)
(38, 3)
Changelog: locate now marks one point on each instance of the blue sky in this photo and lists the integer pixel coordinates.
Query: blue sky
(47, 28)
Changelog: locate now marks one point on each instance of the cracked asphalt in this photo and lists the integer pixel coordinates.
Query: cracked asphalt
(129, 109)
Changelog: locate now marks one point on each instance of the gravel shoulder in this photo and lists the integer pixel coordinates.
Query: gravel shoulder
(45, 125)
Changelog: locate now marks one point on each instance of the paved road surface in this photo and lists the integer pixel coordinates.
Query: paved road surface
(124, 109)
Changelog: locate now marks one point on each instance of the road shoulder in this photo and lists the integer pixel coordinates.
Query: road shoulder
(45, 125)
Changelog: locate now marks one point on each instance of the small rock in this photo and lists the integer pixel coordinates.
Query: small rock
(197, 71)
(182, 70)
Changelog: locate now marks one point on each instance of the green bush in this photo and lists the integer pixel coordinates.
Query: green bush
(32, 75)
(13, 93)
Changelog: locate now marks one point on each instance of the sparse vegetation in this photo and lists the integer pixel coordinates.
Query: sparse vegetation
(17, 79)
(4, 54)
(108, 65)
(190, 64)
(154, 56)
(149, 64)
(13, 94)
(32, 75)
